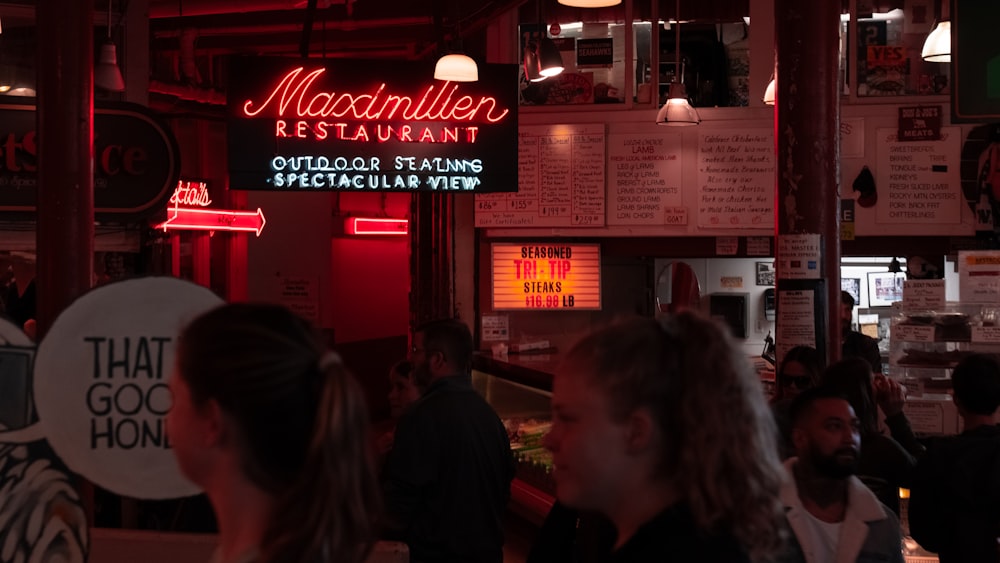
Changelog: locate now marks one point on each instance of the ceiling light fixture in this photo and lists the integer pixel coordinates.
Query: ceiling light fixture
(590, 3)
(937, 46)
(770, 92)
(549, 58)
(677, 110)
(456, 66)
(107, 75)
(532, 68)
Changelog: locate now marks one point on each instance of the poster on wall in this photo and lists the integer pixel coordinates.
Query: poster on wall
(560, 180)
(644, 179)
(920, 179)
(736, 179)
(369, 126)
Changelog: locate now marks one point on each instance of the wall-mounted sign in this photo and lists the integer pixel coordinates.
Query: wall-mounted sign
(599, 52)
(979, 276)
(920, 123)
(376, 226)
(135, 162)
(101, 383)
(920, 178)
(189, 211)
(546, 276)
(736, 179)
(560, 180)
(367, 126)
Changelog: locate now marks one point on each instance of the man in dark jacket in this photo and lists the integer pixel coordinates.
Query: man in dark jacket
(853, 343)
(447, 477)
(955, 498)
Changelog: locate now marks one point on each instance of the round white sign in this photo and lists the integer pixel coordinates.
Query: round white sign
(100, 383)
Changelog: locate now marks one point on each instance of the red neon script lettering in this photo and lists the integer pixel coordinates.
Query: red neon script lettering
(190, 194)
(294, 96)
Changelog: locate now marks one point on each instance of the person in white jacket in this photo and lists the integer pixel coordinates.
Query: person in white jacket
(833, 516)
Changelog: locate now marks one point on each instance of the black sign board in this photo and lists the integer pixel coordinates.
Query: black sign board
(370, 126)
(135, 162)
(595, 52)
(975, 56)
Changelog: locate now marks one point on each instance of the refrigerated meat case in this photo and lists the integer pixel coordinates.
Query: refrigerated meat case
(520, 389)
(924, 348)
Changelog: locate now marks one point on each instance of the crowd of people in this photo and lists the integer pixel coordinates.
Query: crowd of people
(665, 448)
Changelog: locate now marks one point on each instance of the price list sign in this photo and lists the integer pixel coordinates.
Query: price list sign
(529, 276)
(561, 179)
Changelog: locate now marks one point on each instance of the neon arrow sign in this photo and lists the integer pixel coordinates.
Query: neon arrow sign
(214, 220)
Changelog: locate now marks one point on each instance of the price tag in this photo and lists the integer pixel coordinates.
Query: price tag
(913, 333)
(988, 334)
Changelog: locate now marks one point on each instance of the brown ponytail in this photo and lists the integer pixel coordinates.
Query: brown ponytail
(303, 423)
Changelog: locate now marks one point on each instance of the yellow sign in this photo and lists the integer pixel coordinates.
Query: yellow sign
(546, 276)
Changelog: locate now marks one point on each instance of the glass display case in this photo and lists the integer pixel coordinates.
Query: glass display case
(925, 346)
(520, 393)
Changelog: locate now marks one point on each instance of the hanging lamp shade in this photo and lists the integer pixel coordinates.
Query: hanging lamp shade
(677, 110)
(549, 59)
(532, 67)
(107, 75)
(456, 67)
(769, 92)
(590, 3)
(937, 46)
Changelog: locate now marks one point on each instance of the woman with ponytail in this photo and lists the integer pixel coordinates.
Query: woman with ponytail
(275, 430)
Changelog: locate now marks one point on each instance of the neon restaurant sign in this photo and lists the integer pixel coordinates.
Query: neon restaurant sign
(370, 126)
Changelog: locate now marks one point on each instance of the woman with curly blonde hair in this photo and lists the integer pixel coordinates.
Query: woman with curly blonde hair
(662, 427)
(275, 430)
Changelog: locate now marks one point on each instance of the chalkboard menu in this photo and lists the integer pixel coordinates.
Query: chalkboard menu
(736, 179)
(560, 180)
(644, 179)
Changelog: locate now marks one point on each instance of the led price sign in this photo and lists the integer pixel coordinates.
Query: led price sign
(546, 276)
(368, 126)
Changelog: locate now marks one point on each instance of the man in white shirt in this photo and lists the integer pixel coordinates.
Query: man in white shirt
(833, 516)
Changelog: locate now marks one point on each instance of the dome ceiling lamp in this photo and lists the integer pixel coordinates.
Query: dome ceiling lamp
(456, 66)
(937, 46)
(677, 110)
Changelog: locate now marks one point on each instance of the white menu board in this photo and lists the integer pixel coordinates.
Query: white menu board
(918, 181)
(560, 180)
(736, 179)
(644, 179)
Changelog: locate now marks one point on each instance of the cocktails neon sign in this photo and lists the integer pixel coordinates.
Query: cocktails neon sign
(189, 211)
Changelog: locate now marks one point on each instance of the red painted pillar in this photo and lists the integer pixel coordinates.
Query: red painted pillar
(807, 122)
(65, 229)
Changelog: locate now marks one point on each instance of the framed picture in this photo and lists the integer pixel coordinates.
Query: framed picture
(765, 273)
(852, 286)
(885, 288)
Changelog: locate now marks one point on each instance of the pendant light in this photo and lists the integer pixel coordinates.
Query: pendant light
(532, 67)
(549, 59)
(769, 92)
(937, 46)
(542, 58)
(677, 110)
(456, 66)
(107, 75)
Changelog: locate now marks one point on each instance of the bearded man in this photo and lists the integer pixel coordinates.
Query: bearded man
(833, 516)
